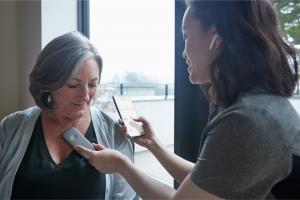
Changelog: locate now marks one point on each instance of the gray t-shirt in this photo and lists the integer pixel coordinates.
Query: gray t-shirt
(248, 147)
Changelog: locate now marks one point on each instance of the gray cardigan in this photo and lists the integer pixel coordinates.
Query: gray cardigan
(15, 133)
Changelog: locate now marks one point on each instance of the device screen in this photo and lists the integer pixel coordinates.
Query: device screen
(127, 113)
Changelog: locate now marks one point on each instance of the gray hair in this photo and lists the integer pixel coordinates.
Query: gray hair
(56, 63)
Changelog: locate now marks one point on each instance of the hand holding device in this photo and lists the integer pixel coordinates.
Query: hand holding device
(73, 137)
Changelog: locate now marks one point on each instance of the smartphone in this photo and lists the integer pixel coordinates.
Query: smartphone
(73, 137)
(127, 113)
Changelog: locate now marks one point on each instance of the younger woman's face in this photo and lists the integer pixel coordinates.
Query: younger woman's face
(196, 51)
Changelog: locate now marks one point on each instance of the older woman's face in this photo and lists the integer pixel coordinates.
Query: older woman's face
(73, 99)
(196, 51)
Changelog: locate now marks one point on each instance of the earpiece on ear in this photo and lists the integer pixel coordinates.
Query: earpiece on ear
(213, 41)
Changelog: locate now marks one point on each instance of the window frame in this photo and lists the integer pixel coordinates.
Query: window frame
(191, 106)
(83, 17)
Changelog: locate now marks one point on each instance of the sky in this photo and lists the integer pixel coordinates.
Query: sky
(134, 36)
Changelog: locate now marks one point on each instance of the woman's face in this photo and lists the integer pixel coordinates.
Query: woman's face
(73, 99)
(196, 51)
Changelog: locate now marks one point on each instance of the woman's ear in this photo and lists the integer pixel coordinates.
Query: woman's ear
(212, 43)
(216, 42)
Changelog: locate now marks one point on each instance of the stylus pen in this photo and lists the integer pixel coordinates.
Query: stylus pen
(117, 107)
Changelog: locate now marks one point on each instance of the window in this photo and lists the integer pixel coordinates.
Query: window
(136, 41)
(289, 19)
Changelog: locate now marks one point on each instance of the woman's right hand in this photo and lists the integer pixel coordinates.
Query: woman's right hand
(148, 138)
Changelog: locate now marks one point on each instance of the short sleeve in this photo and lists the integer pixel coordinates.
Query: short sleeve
(243, 155)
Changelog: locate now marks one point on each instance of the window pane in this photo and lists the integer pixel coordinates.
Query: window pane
(134, 36)
(289, 19)
(136, 41)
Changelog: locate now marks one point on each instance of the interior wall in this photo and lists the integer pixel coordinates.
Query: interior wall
(64, 20)
(20, 41)
(8, 61)
(29, 46)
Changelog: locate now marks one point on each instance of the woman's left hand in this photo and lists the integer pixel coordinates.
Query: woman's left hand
(104, 160)
(122, 127)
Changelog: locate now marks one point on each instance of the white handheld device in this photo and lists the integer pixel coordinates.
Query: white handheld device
(127, 113)
(73, 137)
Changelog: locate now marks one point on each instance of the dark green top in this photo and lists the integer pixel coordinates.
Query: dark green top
(40, 177)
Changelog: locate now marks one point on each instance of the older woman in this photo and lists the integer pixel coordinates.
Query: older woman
(35, 161)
